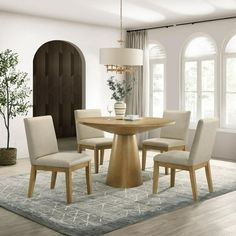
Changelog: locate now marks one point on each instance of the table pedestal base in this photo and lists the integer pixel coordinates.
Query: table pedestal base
(124, 168)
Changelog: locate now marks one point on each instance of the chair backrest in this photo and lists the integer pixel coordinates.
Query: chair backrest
(180, 129)
(86, 132)
(41, 137)
(203, 141)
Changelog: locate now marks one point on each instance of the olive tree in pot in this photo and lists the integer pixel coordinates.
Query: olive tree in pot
(120, 89)
(14, 99)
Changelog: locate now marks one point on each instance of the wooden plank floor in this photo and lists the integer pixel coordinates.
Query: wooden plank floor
(14, 225)
(215, 217)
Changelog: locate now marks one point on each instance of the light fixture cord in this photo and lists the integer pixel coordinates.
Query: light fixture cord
(121, 24)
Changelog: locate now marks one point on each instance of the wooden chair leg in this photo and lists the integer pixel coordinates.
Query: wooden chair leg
(68, 174)
(155, 177)
(172, 177)
(32, 180)
(101, 156)
(53, 179)
(166, 170)
(80, 149)
(88, 178)
(208, 176)
(96, 160)
(144, 155)
(193, 183)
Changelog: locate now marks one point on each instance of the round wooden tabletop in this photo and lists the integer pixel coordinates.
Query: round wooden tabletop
(125, 127)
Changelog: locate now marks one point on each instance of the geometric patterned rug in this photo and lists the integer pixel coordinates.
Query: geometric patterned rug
(107, 208)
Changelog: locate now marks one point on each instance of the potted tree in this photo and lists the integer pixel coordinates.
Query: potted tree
(120, 89)
(14, 94)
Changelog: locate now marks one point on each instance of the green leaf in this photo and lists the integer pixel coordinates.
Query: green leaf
(14, 88)
(120, 88)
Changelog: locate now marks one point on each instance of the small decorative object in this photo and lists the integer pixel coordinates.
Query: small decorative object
(14, 94)
(120, 108)
(120, 89)
(110, 108)
(132, 117)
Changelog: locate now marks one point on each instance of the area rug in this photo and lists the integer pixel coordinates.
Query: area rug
(107, 208)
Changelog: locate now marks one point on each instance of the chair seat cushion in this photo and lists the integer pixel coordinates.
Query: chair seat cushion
(96, 142)
(164, 142)
(63, 159)
(173, 157)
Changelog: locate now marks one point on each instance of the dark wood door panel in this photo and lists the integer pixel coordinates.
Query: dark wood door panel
(57, 85)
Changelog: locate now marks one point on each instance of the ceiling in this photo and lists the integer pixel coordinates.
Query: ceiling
(136, 13)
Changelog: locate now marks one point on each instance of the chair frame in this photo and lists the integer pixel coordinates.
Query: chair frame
(68, 175)
(98, 149)
(167, 114)
(192, 175)
(147, 147)
(81, 147)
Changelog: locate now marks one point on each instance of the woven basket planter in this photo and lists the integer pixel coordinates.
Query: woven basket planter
(7, 156)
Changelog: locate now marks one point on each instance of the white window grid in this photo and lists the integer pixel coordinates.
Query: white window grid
(199, 61)
(153, 62)
(224, 92)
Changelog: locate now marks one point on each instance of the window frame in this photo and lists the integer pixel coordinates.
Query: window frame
(226, 55)
(199, 61)
(153, 62)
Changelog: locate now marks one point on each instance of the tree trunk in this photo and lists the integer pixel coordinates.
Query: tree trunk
(8, 118)
(8, 136)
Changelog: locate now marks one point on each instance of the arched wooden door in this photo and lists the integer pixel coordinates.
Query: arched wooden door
(59, 84)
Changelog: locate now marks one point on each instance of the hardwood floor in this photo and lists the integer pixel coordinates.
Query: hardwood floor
(15, 225)
(215, 217)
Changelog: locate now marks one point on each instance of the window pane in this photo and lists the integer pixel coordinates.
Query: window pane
(231, 110)
(207, 104)
(157, 89)
(231, 46)
(158, 77)
(208, 75)
(191, 104)
(200, 46)
(158, 104)
(191, 76)
(231, 74)
(156, 51)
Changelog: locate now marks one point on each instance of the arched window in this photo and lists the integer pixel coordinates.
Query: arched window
(199, 78)
(229, 84)
(157, 59)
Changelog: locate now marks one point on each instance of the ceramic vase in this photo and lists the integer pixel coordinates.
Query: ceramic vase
(120, 108)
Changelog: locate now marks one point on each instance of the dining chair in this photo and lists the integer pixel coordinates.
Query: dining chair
(198, 157)
(172, 137)
(44, 155)
(91, 138)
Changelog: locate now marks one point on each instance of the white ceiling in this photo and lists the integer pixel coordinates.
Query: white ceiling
(136, 13)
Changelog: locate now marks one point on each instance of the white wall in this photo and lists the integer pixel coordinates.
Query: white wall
(24, 35)
(174, 39)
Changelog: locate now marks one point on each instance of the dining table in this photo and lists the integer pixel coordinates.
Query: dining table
(124, 169)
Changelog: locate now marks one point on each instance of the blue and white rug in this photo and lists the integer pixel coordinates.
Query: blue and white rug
(107, 208)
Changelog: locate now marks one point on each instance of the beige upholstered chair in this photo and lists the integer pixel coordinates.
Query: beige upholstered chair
(91, 138)
(198, 157)
(44, 155)
(171, 138)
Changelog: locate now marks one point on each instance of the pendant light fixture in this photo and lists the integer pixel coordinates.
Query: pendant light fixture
(121, 60)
